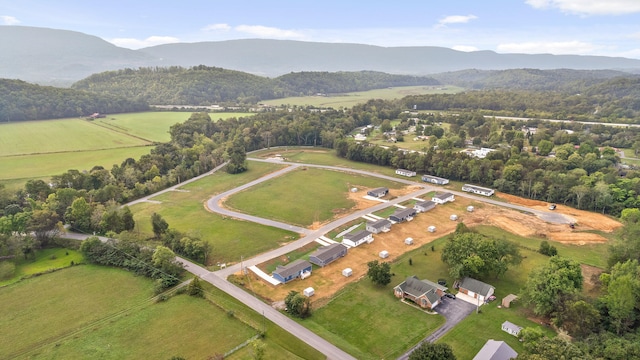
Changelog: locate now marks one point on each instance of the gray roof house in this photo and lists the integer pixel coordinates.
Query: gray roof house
(435, 180)
(424, 206)
(291, 271)
(496, 350)
(403, 215)
(424, 293)
(378, 192)
(356, 239)
(328, 254)
(441, 198)
(382, 225)
(511, 328)
(476, 289)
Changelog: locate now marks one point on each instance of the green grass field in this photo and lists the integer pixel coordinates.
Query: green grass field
(350, 99)
(368, 322)
(230, 238)
(153, 126)
(304, 196)
(46, 259)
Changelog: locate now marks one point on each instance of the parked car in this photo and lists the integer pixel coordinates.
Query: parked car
(552, 207)
(442, 282)
(450, 296)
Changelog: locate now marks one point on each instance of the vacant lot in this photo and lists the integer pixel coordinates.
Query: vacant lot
(46, 260)
(185, 211)
(304, 196)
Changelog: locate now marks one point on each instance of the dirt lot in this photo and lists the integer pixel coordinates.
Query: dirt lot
(328, 280)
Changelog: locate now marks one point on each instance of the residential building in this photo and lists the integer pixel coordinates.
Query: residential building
(496, 350)
(403, 215)
(357, 239)
(435, 180)
(478, 190)
(441, 198)
(423, 293)
(297, 269)
(376, 227)
(424, 206)
(378, 192)
(328, 254)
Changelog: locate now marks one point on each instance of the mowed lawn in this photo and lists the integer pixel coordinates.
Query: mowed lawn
(348, 100)
(304, 196)
(368, 321)
(46, 259)
(230, 238)
(66, 135)
(154, 125)
(45, 165)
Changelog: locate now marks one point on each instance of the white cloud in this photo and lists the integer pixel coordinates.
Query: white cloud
(465, 48)
(268, 32)
(132, 43)
(217, 27)
(9, 20)
(456, 19)
(562, 47)
(589, 7)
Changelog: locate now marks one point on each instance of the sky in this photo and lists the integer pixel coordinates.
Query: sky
(582, 27)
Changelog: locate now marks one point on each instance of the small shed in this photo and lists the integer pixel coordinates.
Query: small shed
(453, 217)
(511, 328)
(308, 292)
(384, 254)
(470, 208)
(431, 228)
(408, 241)
(347, 272)
(506, 301)
(353, 190)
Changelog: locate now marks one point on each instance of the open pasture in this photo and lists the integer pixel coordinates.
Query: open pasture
(46, 260)
(153, 126)
(230, 238)
(348, 100)
(305, 197)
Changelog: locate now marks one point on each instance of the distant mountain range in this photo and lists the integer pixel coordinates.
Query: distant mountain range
(60, 57)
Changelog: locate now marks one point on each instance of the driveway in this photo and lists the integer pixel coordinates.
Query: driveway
(452, 310)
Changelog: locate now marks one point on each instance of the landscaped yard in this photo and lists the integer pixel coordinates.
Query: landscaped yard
(231, 239)
(304, 196)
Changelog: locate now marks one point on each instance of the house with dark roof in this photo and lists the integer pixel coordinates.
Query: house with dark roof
(424, 206)
(424, 293)
(435, 180)
(376, 227)
(496, 350)
(356, 239)
(297, 269)
(511, 328)
(441, 198)
(476, 289)
(403, 215)
(328, 254)
(378, 192)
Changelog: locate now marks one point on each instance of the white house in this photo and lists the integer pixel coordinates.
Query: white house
(442, 198)
(407, 173)
(478, 190)
(481, 153)
(511, 328)
(424, 206)
(356, 239)
(435, 180)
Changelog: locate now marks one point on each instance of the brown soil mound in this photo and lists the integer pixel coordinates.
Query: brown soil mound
(586, 219)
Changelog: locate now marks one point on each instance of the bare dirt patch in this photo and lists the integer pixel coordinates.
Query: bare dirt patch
(591, 276)
(586, 220)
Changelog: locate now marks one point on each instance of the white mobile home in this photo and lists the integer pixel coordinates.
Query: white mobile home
(478, 190)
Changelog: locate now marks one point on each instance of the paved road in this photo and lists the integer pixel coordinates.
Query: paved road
(328, 349)
(454, 311)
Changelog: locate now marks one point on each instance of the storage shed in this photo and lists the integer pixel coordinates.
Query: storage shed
(308, 292)
(431, 228)
(470, 208)
(384, 254)
(408, 241)
(453, 217)
(347, 272)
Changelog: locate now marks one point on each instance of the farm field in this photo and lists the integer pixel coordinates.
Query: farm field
(185, 211)
(350, 99)
(306, 196)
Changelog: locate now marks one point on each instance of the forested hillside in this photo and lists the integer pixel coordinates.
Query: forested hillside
(20, 100)
(202, 85)
(615, 100)
(566, 80)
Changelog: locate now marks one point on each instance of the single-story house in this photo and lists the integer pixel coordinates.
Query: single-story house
(358, 238)
(328, 254)
(407, 173)
(511, 328)
(441, 198)
(382, 225)
(424, 293)
(378, 192)
(403, 215)
(424, 206)
(478, 190)
(297, 269)
(476, 289)
(496, 350)
(435, 180)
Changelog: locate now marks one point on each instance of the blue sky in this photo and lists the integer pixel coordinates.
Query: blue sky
(588, 27)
